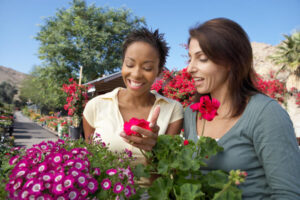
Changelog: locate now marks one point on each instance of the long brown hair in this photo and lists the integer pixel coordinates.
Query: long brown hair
(226, 43)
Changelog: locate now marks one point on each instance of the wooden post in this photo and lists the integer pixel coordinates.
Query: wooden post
(80, 75)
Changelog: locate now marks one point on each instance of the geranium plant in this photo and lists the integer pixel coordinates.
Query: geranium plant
(176, 163)
(76, 100)
(70, 170)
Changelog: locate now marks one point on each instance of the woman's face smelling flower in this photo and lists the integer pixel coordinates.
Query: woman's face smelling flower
(208, 76)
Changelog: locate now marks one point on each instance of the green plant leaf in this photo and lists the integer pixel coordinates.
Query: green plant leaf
(190, 191)
(160, 188)
(231, 193)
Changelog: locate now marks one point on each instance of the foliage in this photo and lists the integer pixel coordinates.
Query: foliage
(176, 85)
(176, 163)
(87, 36)
(74, 168)
(288, 53)
(76, 100)
(43, 87)
(7, 92)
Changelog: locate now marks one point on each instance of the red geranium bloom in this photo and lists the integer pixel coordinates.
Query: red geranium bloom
(135, 122)
(207, 107)
(185, 142)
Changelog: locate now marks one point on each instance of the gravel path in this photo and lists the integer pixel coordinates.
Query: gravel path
(27, 133)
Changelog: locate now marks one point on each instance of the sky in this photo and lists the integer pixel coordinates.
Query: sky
(264, 20)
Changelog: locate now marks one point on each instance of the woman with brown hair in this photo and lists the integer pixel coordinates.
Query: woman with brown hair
(255, 131)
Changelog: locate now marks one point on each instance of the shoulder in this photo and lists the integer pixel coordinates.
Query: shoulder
(103, 99)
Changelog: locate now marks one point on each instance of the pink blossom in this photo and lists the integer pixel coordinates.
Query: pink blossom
(118, 187)
(106, 184)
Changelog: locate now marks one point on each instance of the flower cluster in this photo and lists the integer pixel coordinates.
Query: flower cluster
(70, 170)
(273, 88)
(49, 171)
(176, 85)
(206, 107)
(135, 122)
(76, 98)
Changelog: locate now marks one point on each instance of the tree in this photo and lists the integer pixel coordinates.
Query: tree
(288, 53)
(86, 36)
(7, 92)
(44, 87)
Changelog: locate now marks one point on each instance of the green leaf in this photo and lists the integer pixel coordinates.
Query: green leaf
(217, 179)
(140, 171)
(160, 188)
(231, 193)
(190, 191)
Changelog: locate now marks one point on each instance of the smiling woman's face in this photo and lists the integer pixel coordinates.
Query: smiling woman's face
(140, 67)
(208, 76)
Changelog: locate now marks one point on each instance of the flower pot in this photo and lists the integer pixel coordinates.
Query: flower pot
(75, 132)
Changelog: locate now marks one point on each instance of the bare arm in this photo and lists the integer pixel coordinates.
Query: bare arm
(175, 127)
(88, 130)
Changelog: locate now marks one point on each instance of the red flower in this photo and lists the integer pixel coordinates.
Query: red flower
(135, 122)
(185, 142)
(207, 107)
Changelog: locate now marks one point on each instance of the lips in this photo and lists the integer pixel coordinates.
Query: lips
(198, 80)
(134, 84)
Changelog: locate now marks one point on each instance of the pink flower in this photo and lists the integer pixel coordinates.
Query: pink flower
(111, 172)
(79, 164)
(208, 108)
(58, 188)
(83, 192)
(82, 180)
(118, 188)
(135, 122)
(106, 184)
(13, 160)
(58, 177)
(57, 158)
(47, 177)
(73, 194)
(24, 194)
(92, 185)
(97, 172)
(42, 167)
(127, 191)
(36, 187)
(68, 182)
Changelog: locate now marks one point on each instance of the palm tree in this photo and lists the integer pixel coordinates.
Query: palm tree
(288, 53)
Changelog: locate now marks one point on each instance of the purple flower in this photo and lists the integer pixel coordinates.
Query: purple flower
(58, 177)
(13, 160)
(28, 183)
(118, 188)
(58, 188)
(42, 167)
(74, 172)
(57, 158)
(82, 180)
(36, 187)
(111, 172)
(69, 163)
(92, 185)
(68, 182)
(22, 164)
(47, 177)
(24, 194)
(106, 184)
(17, 184)
(127, 191)
(78, 164)
(97, 172)
(83, 192)
(20, 172)
(73, 194)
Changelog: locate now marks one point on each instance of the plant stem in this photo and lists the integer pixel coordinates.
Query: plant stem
(222, 191)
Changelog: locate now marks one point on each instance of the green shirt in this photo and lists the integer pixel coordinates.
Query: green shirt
(262, 143)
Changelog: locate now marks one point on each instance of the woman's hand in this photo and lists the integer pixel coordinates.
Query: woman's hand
(148, 139)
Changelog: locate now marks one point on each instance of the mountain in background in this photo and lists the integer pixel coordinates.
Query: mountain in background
(11, 76)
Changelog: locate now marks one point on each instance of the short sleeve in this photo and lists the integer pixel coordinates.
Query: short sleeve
(177, 113)
(276, 147)
(89, 112)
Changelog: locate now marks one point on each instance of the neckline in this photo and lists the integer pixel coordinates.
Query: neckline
(119, 112)
(227, 134)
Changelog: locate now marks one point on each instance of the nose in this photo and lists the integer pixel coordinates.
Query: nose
(191, 67)
(136, 72)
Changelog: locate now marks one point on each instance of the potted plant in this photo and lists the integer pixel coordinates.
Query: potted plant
(76, 101)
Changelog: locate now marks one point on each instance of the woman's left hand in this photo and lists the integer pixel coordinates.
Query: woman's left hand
(148, 138)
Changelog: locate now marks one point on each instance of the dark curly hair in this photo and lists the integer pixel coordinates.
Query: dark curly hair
(154, 38)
